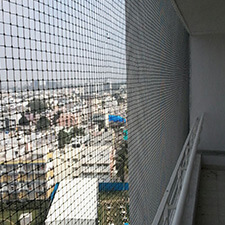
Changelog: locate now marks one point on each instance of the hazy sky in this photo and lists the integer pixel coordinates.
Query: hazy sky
(65, 40)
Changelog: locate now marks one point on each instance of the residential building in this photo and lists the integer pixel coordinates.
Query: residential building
(80, 196)
(25, 180)
(68, 120)
(26, 169)
(85, 161)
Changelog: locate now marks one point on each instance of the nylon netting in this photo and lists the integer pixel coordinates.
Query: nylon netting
(63, 123)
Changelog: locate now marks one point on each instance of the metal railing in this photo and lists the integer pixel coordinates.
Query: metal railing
(172, 204)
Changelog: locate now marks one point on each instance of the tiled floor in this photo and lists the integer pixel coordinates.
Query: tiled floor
(211, 197)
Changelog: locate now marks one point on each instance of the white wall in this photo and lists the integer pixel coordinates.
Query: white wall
(207, 88)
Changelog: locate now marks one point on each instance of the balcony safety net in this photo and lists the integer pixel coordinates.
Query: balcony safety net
(157, 51)
(63, 112)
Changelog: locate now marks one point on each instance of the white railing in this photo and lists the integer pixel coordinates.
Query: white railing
(172, 204)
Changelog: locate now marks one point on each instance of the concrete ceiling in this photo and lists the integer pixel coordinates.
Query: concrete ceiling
(202, 16)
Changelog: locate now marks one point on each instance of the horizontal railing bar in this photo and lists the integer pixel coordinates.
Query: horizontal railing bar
(164, 200)
(184, 189)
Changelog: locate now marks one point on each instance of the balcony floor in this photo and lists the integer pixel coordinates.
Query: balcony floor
(211, 197)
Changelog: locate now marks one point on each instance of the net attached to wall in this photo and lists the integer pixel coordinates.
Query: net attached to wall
(158, 79)
(63, 122)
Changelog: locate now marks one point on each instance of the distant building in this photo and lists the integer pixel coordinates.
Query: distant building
(8, 124)
(85, 161)
(79, 198)
(25, 180)
(100, 119)
(68, 120)
(35, 85)
(50, 84)
(26, 169)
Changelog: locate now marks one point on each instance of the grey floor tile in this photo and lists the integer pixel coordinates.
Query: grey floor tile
(211, 198)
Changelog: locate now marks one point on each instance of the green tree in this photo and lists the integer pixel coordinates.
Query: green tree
(75, 131)
(122, 161)
(103, 104)
(23, 121)
(120, 100)
(101, 125)
(37, 105)
(118, 131)
(43, 123)
(63, 138)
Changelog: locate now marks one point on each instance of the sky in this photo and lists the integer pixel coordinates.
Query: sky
(64, 40)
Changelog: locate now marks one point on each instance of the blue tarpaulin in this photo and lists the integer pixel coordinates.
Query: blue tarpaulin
(54, 191)
(113, 186)
(113, 118)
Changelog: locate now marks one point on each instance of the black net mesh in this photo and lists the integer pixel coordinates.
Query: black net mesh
(158, 103)
(63, 97)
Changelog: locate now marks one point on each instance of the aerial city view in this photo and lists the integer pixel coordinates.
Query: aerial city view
(111, 112)
(53, 137)
(63, 113)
